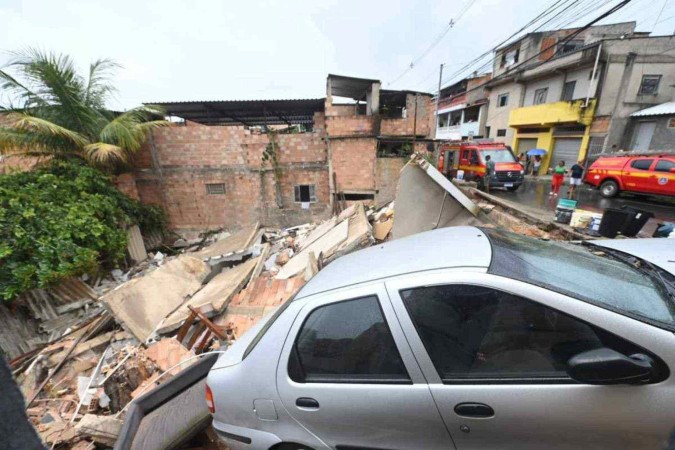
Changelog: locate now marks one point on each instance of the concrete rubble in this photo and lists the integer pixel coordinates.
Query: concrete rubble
(136, 329)
(139, 327)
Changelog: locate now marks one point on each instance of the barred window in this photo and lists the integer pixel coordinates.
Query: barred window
(305, 193)
(215, 188)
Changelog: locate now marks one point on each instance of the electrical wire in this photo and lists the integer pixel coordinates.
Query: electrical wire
(436, 40)
(571, 36)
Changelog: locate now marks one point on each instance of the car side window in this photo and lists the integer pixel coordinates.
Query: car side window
(346, 342)
(486, 335)
(664, 165)
(642, 164)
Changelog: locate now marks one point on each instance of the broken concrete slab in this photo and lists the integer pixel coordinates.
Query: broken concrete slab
(317, 232)
(359, 235)
(141, 303)
(101, 429)
(231, 248)
(326, 245)
(213, 297)
(426, 200)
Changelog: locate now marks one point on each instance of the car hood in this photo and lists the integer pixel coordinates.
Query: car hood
(508, 166)
(658, 251)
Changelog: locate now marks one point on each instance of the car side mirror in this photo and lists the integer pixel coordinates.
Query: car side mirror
(672, 170)
(606, 366)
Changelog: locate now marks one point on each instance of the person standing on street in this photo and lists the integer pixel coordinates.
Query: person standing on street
(558, 178)
(535, 164)
(576, 173)
(489, 171)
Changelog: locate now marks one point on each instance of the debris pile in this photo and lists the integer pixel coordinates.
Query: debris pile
(116, 338)
(108, 342)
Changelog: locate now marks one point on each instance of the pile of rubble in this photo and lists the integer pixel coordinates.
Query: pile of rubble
(109, 341)
(134, 330)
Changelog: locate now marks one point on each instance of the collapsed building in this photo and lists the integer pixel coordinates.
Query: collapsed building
(280, 162)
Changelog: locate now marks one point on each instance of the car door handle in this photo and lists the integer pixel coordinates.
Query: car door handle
(306, 402)
(474, 410)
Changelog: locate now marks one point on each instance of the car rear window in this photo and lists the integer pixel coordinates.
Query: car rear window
(575, 271)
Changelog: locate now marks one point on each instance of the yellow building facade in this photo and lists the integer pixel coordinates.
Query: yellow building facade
(560, 128)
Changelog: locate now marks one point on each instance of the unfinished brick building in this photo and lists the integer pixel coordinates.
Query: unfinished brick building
(280, 162)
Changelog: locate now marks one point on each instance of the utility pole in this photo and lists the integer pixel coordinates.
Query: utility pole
(438, 97)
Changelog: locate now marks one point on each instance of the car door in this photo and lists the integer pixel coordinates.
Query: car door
(348, 376)
(664, 176)
(637, 175)
(494, 352)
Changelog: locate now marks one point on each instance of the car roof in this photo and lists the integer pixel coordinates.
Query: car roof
(658, 251)
(436, 249)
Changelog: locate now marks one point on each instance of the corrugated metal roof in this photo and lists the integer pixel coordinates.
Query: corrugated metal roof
(246, 112)
(658, 110)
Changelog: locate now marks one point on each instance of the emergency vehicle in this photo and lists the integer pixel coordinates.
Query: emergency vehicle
(467, 158)
(644, 174)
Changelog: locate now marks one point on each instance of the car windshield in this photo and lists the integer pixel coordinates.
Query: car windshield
(498, 155)
(582, 273)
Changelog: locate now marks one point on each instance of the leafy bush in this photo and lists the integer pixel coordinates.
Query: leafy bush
(62, 220)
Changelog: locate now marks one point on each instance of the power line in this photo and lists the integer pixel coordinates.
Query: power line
(509, 72)
(437, 40)
(566, 4)
(580, 11)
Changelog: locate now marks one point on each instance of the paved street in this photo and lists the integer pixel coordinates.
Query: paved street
(533, 195)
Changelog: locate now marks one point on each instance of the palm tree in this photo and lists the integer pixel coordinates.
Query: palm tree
(55, 112)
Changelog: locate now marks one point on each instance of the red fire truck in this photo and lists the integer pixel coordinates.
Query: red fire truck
(467, 159)
(646, 173)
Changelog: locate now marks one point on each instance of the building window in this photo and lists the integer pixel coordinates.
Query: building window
(570, 46)
(502, 100)
(487, 132)
(568, 91)
(215, 188)
(649, 85)
(510, 57)
(540, 96)
(346, 342)
(595, 145)
(304, 193)
(501, 133)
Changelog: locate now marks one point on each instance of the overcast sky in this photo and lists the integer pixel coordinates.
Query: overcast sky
(231, 49)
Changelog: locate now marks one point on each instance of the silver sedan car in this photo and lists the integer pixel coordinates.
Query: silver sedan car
(461, 338)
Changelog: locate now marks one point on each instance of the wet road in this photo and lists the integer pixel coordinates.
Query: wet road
(534, 195)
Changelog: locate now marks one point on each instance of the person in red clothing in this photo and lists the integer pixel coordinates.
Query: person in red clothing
(558, 177)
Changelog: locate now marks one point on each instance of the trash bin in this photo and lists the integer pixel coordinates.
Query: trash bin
(564, 211)
(613, 222)
(638, 220)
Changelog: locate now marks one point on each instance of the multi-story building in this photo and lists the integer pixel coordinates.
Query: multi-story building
(506, 93)
(576, 97)
(280, 162)
(462, 109)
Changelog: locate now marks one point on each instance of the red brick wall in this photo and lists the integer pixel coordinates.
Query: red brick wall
(350, 125)
(190, 157)
(354, 163)
(410, 125)
(126, 183)
(387, 173)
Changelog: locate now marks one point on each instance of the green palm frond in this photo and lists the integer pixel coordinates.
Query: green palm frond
(60, 113)
(37, 126)
(99, 88)
(102, 154)
(130, 129)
